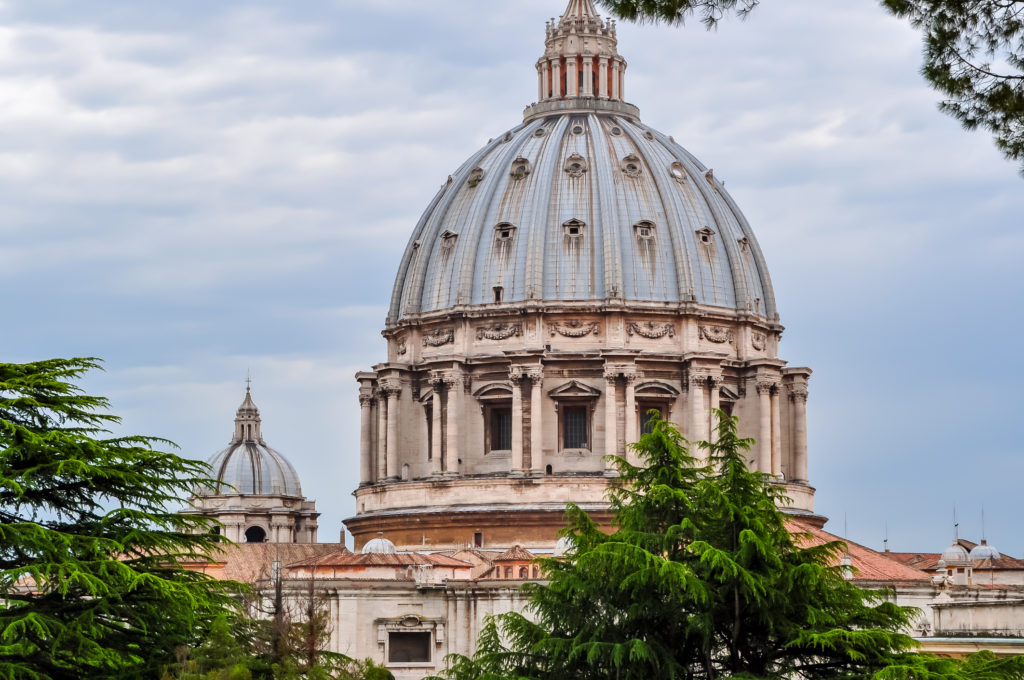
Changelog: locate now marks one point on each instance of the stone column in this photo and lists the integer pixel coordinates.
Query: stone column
(602, 77)
(776, 435)
(540, 82)
(622, 84)
(515, 375)
(572, 67)
(545, 85)
(454, 382)
(382, 435)
(798, 394)
(393, 390)
(632, 436)
(588, 78)
(365, 445)
(698, 413)
(436, 384)
(536, 375)
(611, 435)
(556, 79)
(716, 402)
(764, 438)
(615, 80)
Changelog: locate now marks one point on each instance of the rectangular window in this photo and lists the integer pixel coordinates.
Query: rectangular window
(501, 429)
(411, 647)
(647, 418)
(574, 427)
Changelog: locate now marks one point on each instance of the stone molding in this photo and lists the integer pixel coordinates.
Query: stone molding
(758, 340)
(499, 331)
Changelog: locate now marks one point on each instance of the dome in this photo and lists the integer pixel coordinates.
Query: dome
(582, 203)
(984, 551)
(379, 545)
(955, 555)
(248, 466)
(562, 546)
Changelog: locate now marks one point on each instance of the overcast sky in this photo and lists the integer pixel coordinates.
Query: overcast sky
(191, 190)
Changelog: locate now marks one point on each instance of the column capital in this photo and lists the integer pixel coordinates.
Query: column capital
(534, 373)
(699, 378)
(435, 379)
(365, 400)
(516, 374)
(766, 386)
(631, 374)
(453, 379)
(390, 387)
(797, 393)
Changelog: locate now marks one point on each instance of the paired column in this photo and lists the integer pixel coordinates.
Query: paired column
(382, 434)
(611, 436)
(698, 413)
(436, 384)
(454, 382)
(616, 94)
(776, 435)
(515, 375)
(536, 375)
(392, 389)
(587, 89)
(716, 403)
(365, 443)
(572, 66)
(556, 79)
(798, 394)
(602, 77)
(764, 437)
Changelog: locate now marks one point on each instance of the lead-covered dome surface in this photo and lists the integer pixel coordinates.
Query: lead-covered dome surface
(582, 206)
(248, 466)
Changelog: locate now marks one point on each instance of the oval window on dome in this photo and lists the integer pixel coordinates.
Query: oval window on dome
(577, 129)
(539, 132)
(520, 168)
(475, 177)
(677, 172)
(575, 165)
(631, 165)
(616, 131)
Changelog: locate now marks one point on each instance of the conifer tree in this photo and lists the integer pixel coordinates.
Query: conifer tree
(701, 580)
(91, 584)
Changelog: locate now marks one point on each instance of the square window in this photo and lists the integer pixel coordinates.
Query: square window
(647, 419)
(409, 647)
(574, 427)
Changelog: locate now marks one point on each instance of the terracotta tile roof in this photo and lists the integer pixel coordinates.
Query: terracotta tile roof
(348, 559)
(929, 561)
(869, 564)
(250, 562)
(516, 553)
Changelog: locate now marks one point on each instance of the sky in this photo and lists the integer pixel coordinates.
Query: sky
(193, 191)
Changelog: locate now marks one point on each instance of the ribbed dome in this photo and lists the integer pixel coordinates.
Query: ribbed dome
(984, 551)
(379, 545)
(955, 555)
(582, 206)
(248, 466)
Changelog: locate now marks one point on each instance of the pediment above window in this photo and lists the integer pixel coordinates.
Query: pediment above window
(574, 390)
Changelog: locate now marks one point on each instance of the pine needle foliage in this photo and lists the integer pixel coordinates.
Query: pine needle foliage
(90, 579)
(699, 580)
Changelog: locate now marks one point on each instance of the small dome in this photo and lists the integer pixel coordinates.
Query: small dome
(984, 551)
(563, 546)
(248, 466)
(379, 545)
(955, 555)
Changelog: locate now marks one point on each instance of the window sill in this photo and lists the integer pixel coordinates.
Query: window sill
(576, 452)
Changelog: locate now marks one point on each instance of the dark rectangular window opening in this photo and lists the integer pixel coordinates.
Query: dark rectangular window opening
(574, 427)
(497, 293)
(647, 418)
(409, 647)
(501, 429)
(478, 540)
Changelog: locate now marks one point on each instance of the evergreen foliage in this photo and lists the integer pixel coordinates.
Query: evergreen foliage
(90, 579)
(701, 580)
(973, 53)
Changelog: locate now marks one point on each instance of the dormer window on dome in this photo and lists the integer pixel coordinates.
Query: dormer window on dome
(475, 177)
(504, 231)
(448, 240)
(705, 235)
(520, 168)
(631, 165)
(644, 229)
(574, 228)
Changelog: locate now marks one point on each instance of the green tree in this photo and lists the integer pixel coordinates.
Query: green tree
(973, 53)
(91, 582)
(700, 580)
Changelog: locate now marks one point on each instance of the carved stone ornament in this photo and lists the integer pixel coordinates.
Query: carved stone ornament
(475, 177)
(365, 400)
(498, 331)
(574, 328)
(520, 168)
(717, 334)
(575, 165)
(798, 393)
(758, 340)
(390, 386)
(438, 337)
(400, 347)
(765, 386)
(651, 329)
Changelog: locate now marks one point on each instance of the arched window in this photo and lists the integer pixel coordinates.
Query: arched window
(255, 535)
(524, 572)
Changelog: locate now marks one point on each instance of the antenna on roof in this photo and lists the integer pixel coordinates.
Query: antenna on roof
(956, 526)
(885, 541)
(248, 379)
(983, 536)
